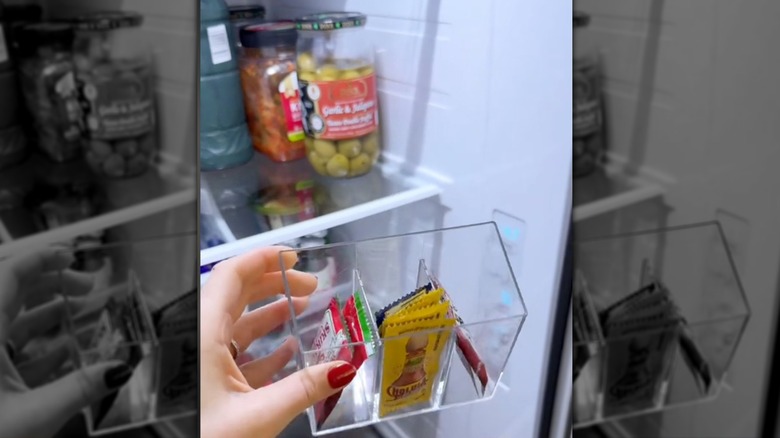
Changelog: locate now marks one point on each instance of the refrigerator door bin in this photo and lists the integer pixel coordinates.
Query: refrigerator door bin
(142, 317)
(658, 316)
(414, 366)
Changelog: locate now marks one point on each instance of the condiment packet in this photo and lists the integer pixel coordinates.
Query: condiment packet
(331, 334)
(411, 361)
(176, 325)
(358, 326)
(400, 303)
(467, 350)
(636, 368)
(435, 310)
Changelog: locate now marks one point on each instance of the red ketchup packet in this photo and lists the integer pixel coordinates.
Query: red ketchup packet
(356, 318)
(467, 352)
(330, 335)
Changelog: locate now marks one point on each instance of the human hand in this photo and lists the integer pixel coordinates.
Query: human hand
(234, 403)
(32, 280)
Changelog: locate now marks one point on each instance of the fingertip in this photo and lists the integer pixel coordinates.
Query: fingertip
(340, 374)
(289, 257)
(57, 259)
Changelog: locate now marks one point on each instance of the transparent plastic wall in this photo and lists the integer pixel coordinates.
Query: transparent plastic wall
(469, 263)
(141, 310)
(664, 364)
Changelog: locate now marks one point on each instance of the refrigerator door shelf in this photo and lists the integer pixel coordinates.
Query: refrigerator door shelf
(640, 370)
(144, 317)
(471, 265)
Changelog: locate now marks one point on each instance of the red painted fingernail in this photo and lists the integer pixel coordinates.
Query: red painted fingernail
(340, 376)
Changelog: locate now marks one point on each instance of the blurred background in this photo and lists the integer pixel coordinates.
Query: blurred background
(97, 156)
(675, 123)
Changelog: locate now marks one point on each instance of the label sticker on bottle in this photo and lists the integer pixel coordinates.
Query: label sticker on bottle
(342, 109)
(291, 103)
(3, 46)
(219, 44)
(118, 105)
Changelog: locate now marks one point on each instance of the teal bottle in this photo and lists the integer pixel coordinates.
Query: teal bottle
(224, 136)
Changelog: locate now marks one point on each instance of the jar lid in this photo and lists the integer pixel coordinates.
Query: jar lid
(246, 12)
(107, 20)
(331, 21)
(35, 35)
(268, 34)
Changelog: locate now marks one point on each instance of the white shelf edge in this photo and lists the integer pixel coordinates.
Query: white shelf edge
(100, 222)
(649, 183)
(643, 191)
(422, 191)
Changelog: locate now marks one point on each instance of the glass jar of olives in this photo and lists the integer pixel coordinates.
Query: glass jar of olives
(48, 84)
(271, 97)
(335, 64)
(115, 75)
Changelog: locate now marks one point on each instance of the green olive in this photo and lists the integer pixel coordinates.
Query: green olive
(324, 148)
(338, 166)
(93, 159)
(100, 148)
(146, 144)
(350, 148)
(114, 165)
(306, 62)
(371, 144)
(350, 74)
(127, 148)
(327, 72)
(318, 163)
(360, 164)
(137, 165)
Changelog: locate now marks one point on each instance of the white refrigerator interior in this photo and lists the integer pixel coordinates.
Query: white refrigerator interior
(475, 101)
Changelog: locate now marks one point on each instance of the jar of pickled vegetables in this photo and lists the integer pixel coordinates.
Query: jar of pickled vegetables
(48, 84)
(245, 15)
(335, 62)
(114, 70)
(271, 97)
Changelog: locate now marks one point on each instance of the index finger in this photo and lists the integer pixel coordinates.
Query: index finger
(232, 282)
(22, 271)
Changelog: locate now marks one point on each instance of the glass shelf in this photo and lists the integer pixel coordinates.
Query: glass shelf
(608, 190)
(108, 202)
(233, 201)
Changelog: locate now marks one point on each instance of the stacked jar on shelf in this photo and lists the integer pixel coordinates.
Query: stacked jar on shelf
(338, 91)
(312, 92)
(271, 97)
(117, 87)
(50, 90)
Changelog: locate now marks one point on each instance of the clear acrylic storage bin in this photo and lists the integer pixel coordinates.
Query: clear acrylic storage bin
(466, 360)
(639, 371)
(141, 310)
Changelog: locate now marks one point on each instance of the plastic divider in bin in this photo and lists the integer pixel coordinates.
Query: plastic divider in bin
(670, 313)
(463, 361)
(114, 322)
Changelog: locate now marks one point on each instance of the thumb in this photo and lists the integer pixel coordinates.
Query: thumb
(65, 397)
(296, 392)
